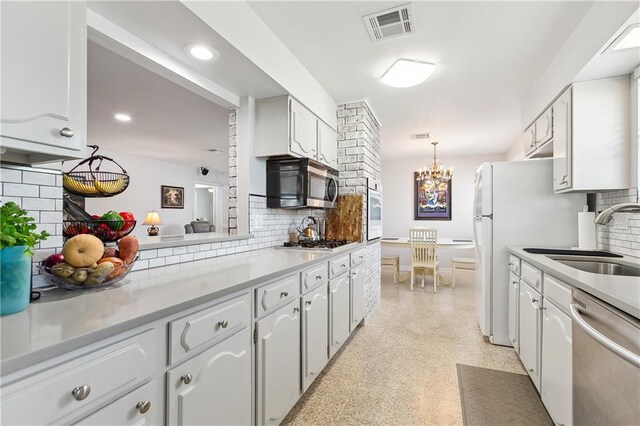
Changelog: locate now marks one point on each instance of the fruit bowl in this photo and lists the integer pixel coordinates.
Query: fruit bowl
(63, 276)
(103, 229)
(95, 183)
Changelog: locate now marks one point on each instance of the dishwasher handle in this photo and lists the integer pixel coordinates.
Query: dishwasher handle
(609, 344)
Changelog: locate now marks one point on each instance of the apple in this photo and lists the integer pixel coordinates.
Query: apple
(53, 260)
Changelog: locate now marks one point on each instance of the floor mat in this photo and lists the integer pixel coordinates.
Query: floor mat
(493, 397)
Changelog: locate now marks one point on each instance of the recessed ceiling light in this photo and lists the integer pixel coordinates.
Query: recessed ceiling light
(202, 52)
(122, 117)
(407, 73)
(629, 39)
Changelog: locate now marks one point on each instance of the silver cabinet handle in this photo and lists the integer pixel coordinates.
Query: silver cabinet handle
(296, 309)
(223, 323)
(284, 294)
(143, 406)
(81, 392)
(609, 344)
(186, 378)
(563, 181)
(318, 277)
(514, 282)
(531, 370)
(66, 132)
(308, 303)
(542, 308)
(534, 300)
(343, 266)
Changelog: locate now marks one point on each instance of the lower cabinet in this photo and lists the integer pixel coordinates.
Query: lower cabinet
(357, 295)
(514, 296)
(557, 392)
(214, 387)
(277, 364)
(140, 407)
(530, 331)
(315, 334)
(339, 312)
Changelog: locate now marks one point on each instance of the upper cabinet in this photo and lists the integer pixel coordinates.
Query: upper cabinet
(286, 127)
(43, 79)
(537, 138)
(591, 140)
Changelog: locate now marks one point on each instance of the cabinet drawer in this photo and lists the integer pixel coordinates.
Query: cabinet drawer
(313, 277)
(277, 294)
(210, 325)
(558, 292)
(103, 375)
(532, 275)
(357, 256)
(514, 265)
(338, 266)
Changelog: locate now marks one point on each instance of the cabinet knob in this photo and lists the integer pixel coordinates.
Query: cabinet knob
(223, 323)
(542, 308)
(343, 266)
(296, 309)
(186, 378)
(318, 277)
(143, 406)
(284, 294)
(563, 181)
(531, 370)
(81, 392)
(534, 300)
(66, 132)
(308, 303)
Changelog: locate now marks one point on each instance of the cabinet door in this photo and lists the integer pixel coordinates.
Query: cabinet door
(562, 142)
(514, 295)
(530, 140)
(357, 295)
(530, 334)
(278, 363)
(43, 74)
(338, 312)
(327, 145)
(303, 138)
(544, 127)
(315, 334)
(140, 407)
(213, 388)
(557, 383)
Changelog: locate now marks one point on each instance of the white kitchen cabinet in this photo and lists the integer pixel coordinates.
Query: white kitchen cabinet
(339, 312)
(514, 297)
(43, 79)
(315, 334)
(544, 127)
(529, 140)
(530, 331)
(557, 383)
(304, 125)
(278, 363)
(327, 145)
(358, 275)
(140, 407)
(214, 387)
(593, 125)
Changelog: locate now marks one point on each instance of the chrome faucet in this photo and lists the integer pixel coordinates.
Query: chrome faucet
(605, 216)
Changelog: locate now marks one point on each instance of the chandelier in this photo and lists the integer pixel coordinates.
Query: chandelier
(435, 175)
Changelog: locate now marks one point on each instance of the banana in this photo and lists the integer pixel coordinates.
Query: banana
(111, 187)
(73, 185)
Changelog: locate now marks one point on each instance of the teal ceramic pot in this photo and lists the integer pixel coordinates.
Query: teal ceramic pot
(15, 280)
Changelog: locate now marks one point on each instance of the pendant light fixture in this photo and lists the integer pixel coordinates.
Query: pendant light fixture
(435, 174)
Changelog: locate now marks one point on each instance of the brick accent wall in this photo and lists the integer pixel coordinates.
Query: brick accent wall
(233, 172)
(39, 192)
(359, 159)
(622, 241)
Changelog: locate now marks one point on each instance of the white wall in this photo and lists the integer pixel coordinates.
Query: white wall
(398, 205)
(143, 193)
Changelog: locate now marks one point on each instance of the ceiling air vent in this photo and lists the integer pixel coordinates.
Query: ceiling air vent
(420, 136)
(389, 23)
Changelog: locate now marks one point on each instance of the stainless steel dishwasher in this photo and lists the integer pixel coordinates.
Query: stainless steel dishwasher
(606, 363)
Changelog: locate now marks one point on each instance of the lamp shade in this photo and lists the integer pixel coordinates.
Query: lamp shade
(152, 218)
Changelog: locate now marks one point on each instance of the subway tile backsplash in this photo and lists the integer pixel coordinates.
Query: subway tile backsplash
(620, 239)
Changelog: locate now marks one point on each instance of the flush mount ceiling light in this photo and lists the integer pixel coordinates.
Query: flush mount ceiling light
(629, 39)
(407, 73)
(202, 52)
(122, 117)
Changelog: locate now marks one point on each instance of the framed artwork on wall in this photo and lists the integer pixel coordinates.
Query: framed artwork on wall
(171, 197)
(432, 202)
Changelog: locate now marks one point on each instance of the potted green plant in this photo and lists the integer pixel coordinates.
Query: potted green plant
(17, 240)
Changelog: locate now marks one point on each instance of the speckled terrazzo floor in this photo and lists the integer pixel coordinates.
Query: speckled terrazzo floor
(400, 369)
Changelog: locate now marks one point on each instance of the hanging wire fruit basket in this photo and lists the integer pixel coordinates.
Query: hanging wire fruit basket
(95, 182)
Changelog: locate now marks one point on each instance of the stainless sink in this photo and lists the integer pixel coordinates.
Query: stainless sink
(604, 268)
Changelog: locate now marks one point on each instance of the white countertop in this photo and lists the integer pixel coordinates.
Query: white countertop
(622, 292)
(162, 241)
(65, 320)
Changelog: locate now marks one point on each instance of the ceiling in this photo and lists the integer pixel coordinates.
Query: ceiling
(168, 122)
(488, 55)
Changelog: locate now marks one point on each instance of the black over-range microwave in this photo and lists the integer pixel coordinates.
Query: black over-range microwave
(294, 183)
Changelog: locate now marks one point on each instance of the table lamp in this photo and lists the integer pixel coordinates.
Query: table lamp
(152, 218)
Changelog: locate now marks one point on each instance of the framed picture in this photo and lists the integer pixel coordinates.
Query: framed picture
(432, 202)
(171, 197)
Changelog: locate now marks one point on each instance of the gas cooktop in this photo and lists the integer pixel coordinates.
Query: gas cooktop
(316, 245)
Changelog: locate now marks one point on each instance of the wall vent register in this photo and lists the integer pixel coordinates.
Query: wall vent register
(388, 23)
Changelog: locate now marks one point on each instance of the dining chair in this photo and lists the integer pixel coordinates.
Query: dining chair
(424, 245)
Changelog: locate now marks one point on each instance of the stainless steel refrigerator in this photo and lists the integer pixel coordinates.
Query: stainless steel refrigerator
(515, 205)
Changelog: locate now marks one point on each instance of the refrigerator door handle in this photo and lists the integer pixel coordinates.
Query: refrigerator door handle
(476, 219)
